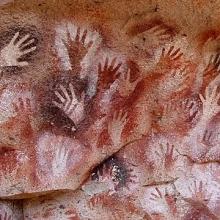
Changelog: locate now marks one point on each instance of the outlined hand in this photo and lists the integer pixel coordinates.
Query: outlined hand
(116, 126)
(166, 198)
(14, 51)
(157, 195)
(126, 87)
(199, 193)
(107, 72)
(210, 102)
(77, 48)
(171, 55)
(70, 104)
(167, 156)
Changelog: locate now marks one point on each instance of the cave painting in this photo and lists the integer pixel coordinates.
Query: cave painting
(109, 123)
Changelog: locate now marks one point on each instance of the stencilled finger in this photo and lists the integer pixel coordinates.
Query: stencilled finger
(22, 40)
(77, 38)
(64, 90)
(117, 67)
(175, 52)
(119, 117)
(211, 59)
(178, 56)
(84, 35)
(27, 44)
(216, 60)
(29, 50)
(127, 75)
(106, 64)
(170, 51)
(60, 97)
(161, 32)
(58, 105)
(74, 99)
(112, 66)
(99, 68)
(124, 118)
(201, 98)
(14, 38)
(154, 29)
(163, 52)
(213, 93)
(22, 63)
(67, 106)
(82, 97)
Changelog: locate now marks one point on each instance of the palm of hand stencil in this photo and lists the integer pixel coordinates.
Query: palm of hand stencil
(72, 107)
(15, 50)
(116, 126)
(59, 164)
(108, 72)
(77, 49)
(210, 103)
(126, 87)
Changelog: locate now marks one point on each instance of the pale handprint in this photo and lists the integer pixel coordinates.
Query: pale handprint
(198, 193)
(126, 87)
(159, 33)
(14, 51)
(167, 156)
(116, 126)
(59, 164)
(171, 54)
(70, 105)
(5, 216)
(107, 72)
(210, 103)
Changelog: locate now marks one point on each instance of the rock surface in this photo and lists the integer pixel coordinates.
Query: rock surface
(110, 109)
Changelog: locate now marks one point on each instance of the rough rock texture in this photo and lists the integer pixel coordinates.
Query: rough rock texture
(110, 109)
